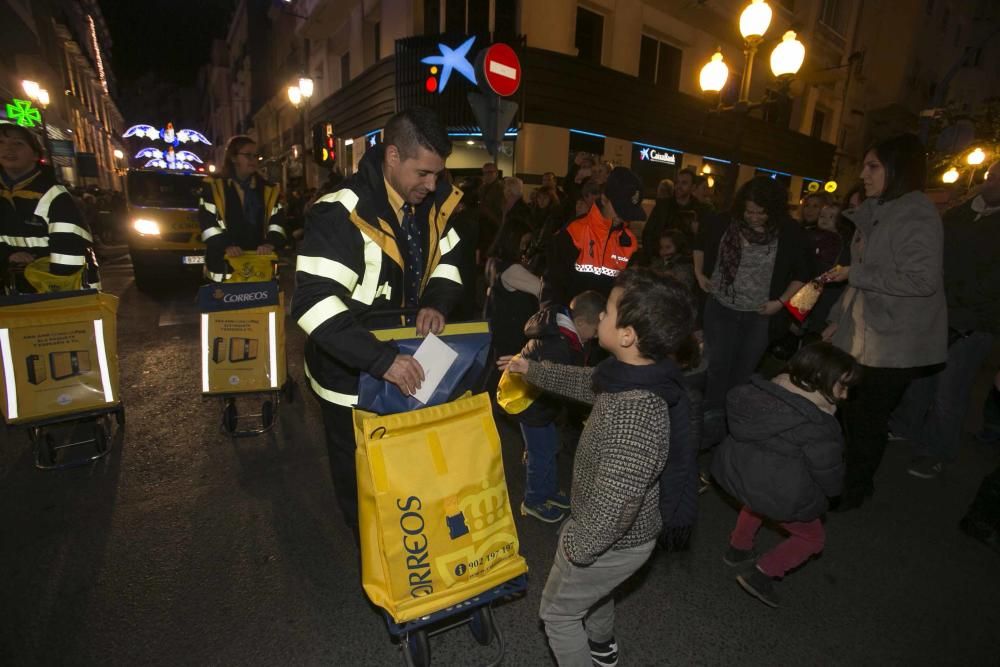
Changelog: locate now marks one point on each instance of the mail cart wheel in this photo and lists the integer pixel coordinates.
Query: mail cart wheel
(266, 414)
(229, 416)
(102, 435)
(46, 446)
(417, 649)
(481, 625)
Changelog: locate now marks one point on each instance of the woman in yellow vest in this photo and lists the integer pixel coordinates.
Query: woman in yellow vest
(239, 211)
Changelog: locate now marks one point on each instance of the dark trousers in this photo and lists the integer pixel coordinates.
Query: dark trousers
(340, 447)
(735, 342)
(866, 424)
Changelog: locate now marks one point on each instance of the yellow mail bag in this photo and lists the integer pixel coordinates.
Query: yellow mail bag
(436, 524)
(59, 356)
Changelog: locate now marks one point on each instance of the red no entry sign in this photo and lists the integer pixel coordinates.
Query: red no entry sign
(501, 70)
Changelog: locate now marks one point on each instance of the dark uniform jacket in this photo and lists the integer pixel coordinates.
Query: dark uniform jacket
(783, 457)
(221, 213)
(350, 272)
(39, 216)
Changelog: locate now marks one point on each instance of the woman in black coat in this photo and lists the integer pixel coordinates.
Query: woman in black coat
(749, 262)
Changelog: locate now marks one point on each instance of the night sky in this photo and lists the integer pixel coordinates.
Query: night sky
(171, 38)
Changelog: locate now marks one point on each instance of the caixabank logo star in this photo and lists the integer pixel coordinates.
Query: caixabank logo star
(449, 60)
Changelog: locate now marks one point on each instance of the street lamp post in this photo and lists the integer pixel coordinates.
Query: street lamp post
(299, 95)
(786, 58)
(40, 96)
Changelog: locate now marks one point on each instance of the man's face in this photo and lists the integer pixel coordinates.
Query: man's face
(414, 177)
(811, 208)
(548, 180)
(682, 188)
(489, 173)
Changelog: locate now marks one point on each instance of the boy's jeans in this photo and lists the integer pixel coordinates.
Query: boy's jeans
(575, 597)
(542, 443)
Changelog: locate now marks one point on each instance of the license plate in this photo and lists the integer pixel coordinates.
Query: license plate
(193, 259)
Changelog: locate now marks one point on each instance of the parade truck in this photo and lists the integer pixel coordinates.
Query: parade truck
(164, 238)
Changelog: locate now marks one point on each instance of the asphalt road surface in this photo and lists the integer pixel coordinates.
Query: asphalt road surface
(187, 547)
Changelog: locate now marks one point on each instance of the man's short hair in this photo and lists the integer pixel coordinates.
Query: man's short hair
(690, 172)
(698, 180)
(489, 164)
(417, 126)
(660, 309)
(549, 173)
(588, 306)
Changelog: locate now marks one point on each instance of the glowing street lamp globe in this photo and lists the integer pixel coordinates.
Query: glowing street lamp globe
(31, 88)
(950, 176)
(754, 20)
(976, 157)
(714, 74)
(787, 57)
(306, 86)
(295, 95)
(43, 97)
(118, 154)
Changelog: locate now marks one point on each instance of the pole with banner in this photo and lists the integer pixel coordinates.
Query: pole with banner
(498, 73)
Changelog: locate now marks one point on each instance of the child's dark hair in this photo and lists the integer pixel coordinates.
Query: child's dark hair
(588, 305)
(820, 366)
(679, 239)
(658, 307)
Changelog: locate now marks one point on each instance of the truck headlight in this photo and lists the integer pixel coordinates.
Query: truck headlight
(146, 226)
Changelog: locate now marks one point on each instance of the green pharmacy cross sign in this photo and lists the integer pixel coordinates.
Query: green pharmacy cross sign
(22, 113)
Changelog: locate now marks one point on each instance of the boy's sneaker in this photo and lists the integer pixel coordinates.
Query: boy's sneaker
(560, 500)
(734, 557)
(543, 512)
(604, 654)
(759, 585)
(926, 468)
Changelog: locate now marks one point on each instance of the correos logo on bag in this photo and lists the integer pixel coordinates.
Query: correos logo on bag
(244, 298)
(418, 565)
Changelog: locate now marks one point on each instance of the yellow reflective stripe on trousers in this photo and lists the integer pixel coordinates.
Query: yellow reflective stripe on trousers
(449, 241)
(69, 260)
(210, 232)
(328, 395)
(325, 310)
(327, 268)
(26, 241)
(208, 206)
(8, 374)
(448, 272)
(69, 228)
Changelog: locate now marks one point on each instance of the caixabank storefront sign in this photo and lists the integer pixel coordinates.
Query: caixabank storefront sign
(242, 338)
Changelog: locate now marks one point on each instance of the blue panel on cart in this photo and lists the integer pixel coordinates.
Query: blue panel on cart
(236, 296)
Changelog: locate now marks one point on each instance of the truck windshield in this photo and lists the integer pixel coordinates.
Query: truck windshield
(158, 190)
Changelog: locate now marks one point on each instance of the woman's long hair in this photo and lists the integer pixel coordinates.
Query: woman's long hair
(904, 159)
(767, 193)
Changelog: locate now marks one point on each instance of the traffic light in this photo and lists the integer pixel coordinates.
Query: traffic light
(324, 145)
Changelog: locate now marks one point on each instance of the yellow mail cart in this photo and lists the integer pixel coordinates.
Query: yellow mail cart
(60, 367)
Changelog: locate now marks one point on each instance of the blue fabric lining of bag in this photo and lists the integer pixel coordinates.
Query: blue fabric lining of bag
(466, 374)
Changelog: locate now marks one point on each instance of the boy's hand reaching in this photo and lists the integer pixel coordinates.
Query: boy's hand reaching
(512, 363)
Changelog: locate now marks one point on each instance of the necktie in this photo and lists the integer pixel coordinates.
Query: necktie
(415, 257)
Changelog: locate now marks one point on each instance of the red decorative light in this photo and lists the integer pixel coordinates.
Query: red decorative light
(431, 84)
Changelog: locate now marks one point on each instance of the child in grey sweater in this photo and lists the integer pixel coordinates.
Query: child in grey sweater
(615, 518)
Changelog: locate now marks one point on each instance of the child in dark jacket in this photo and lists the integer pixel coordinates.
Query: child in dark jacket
(783, 458)
(615, 516)
(555, 334)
